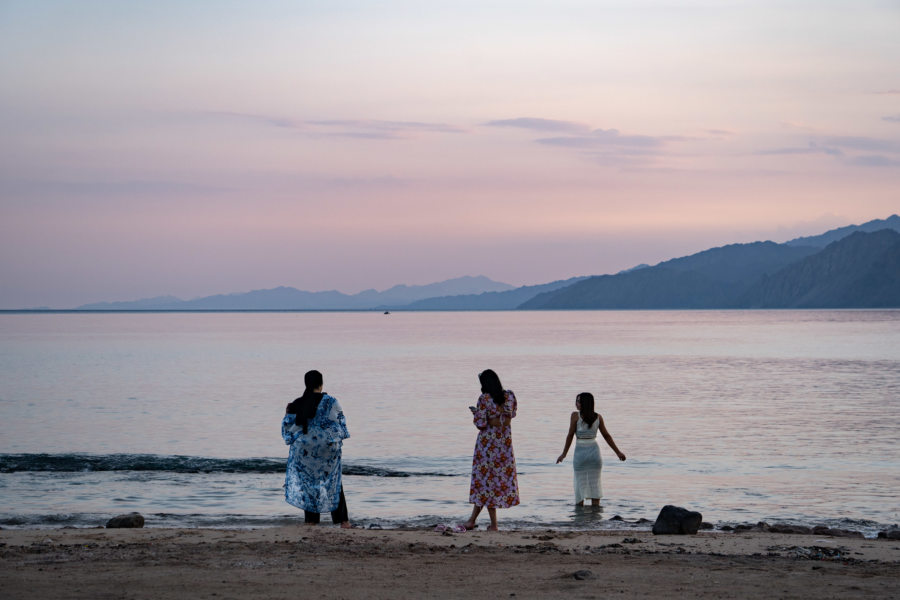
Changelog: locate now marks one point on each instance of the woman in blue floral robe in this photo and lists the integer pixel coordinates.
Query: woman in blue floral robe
(314, 427)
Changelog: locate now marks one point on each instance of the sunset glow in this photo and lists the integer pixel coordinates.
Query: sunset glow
(154, 148)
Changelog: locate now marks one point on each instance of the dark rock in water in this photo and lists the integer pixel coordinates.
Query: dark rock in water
(135, 520)
(616, 518)
(785, 528)
(677, 520)
(582, 574)
(761, 526)
(705, 525)
(822, 530)
(643, 520)
(726, 528)
(374, 526)
(890, 534)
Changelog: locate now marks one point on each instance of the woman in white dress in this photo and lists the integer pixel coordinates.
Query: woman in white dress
(584, 425)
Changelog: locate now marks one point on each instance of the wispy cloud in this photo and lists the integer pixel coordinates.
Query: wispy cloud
(891, 118)
(605, 138)
(544, 125)
(351, 128)
(847, 149)
(813, 148)
(893, 92)
(874, 161)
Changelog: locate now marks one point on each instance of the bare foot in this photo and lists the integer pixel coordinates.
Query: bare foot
(493, 528)
(346, 525)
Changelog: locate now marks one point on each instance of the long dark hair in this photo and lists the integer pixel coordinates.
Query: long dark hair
(587, 407)
(490, 384)
(305, 406)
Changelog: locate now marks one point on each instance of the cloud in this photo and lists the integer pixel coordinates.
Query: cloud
(874, 160)
(891, 118)
(888, 93)
(546, 125)
(352, 128)
(606, 138)
(864, 143)
(813, 148)
(721, 132)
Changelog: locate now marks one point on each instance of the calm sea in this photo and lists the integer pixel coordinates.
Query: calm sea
(787, 416)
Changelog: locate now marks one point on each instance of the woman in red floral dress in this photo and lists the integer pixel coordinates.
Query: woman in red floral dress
(494, 482)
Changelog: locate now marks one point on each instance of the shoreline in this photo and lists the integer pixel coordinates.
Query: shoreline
(281, 562)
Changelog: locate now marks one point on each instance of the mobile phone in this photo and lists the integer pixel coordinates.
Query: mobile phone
(473, 409)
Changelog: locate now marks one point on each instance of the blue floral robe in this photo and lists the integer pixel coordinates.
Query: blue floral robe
(313, 480)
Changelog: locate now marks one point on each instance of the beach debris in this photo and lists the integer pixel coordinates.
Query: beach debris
(632, 541)
(131, 520)
(892, 533)
(582, 574)
(813, 552)
(675, 520)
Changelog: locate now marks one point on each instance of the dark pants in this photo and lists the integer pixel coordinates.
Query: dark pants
(338, 515)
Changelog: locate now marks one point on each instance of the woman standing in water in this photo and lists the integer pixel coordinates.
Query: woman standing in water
(494, 481)
(584, 424)
(315, 428)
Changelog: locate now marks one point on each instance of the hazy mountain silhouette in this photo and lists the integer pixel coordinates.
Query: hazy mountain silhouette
(820, 241)
(288, 298)
(507, 300)
(861, 270)
(713, 278)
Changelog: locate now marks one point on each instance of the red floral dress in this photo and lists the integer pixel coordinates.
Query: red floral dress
(494, 482)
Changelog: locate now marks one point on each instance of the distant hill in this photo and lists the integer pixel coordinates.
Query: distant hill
(507, 300)
(820, 241)
(714, 278)
(861, 270)
(288, 298)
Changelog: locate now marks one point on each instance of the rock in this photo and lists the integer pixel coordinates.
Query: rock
(134, 519)
(726, 528)
(785, 528)
(705, 525)
(822, 530)
(642, 520)
(677, 520)
(582, 575)
(890, 534)
(615, 518)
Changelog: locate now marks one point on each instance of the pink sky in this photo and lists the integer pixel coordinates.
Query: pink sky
(155, 148)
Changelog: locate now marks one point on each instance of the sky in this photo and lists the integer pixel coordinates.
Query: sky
(164, 147)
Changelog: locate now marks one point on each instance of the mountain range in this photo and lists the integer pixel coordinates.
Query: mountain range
(857, 266)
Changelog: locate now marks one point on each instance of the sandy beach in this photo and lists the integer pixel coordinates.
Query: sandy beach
(327, 562)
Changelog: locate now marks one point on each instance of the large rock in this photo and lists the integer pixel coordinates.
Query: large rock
(134, 519)
(677, 520)
(787, 528)
(822, 530)
(892, 533)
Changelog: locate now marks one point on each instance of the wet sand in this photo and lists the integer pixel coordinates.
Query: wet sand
(327, 562)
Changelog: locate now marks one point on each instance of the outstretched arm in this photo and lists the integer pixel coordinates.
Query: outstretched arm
(573, 422)
(609, 439)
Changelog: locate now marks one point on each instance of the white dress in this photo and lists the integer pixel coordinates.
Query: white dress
(586, 461)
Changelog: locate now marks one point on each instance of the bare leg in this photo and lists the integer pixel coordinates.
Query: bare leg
(579, 503)
(595, 501)
(493, 514)
(476, 510)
